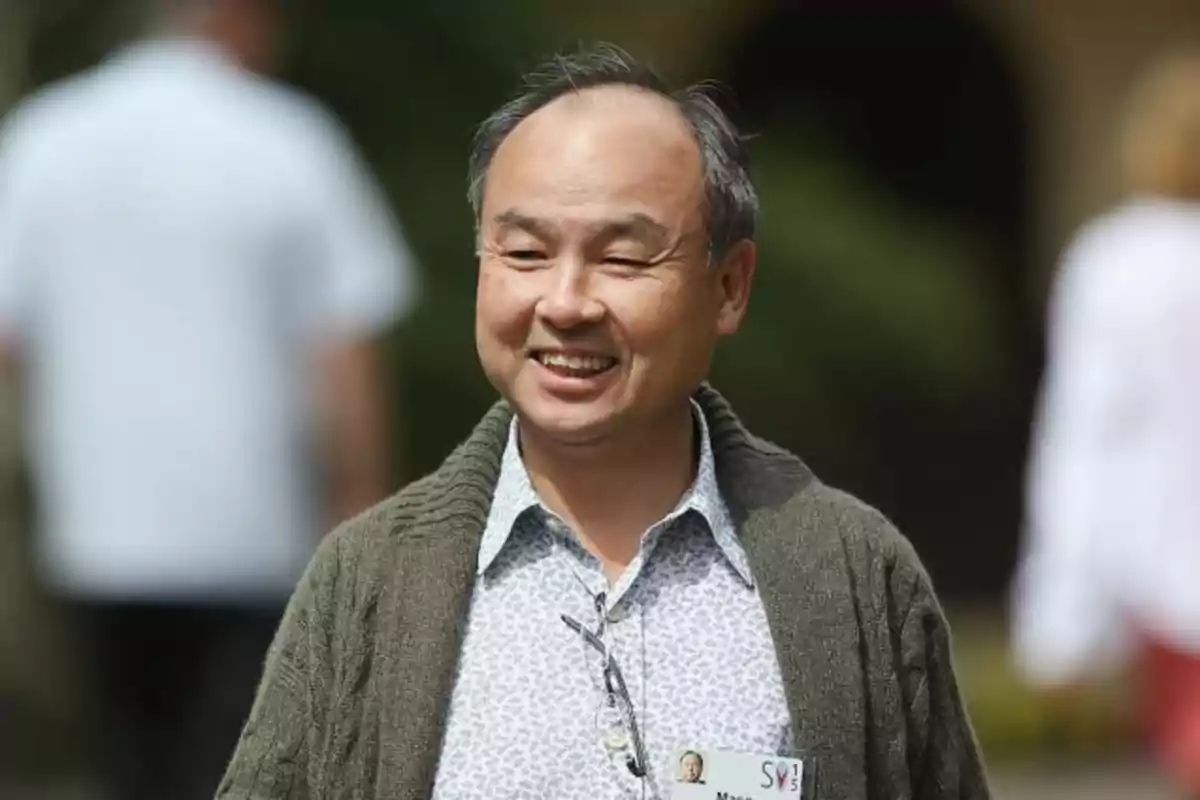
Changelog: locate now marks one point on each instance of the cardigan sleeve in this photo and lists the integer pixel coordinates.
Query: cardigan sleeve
(275, 755)
(943, 754)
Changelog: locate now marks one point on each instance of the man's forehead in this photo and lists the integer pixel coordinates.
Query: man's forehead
(600, 122)
(595, 151)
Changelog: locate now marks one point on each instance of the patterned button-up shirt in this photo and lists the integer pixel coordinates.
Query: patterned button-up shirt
(530, 716)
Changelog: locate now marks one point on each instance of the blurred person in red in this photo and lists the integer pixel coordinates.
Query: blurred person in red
(1111, 566)
(194, 266)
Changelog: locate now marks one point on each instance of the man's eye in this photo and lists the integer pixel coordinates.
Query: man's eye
(525, 255)
(621, 261)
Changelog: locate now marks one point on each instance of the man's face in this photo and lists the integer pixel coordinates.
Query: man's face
(691, 769)
(597, 309)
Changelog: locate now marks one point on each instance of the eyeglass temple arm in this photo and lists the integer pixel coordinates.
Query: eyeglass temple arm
(636, 765)
(587, 635)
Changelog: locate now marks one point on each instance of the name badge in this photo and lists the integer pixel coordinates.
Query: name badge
(717, 775)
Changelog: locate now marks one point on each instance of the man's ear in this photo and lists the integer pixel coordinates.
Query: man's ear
(736, 274)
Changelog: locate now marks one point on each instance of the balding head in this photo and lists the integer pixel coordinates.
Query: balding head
(731, 202)
(600, 152)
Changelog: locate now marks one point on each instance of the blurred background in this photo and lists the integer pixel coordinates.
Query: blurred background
(922, 166)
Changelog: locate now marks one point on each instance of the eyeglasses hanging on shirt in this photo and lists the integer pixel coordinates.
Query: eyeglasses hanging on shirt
(616, 692)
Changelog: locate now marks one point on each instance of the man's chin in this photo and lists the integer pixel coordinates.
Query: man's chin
(576, 427)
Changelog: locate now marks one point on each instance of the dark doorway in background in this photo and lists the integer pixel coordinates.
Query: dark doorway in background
(926, 102)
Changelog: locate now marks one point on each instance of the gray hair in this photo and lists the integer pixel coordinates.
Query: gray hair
(732, 201)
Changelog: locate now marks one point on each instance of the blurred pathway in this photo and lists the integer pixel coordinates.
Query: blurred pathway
(1119, 781)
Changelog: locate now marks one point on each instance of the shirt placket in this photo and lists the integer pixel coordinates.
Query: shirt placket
(583, 602)
(625, 639)
(619, 624)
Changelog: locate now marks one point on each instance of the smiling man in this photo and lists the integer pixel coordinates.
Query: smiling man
(611, 571)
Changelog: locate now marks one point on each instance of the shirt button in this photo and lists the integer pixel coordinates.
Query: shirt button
(616, 739)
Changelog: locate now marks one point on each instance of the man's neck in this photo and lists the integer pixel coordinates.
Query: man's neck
(610, 493)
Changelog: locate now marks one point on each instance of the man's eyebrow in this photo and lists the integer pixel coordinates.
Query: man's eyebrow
(636, 225)
(514, 218)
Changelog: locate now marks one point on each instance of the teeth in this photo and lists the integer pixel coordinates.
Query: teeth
(579, 363)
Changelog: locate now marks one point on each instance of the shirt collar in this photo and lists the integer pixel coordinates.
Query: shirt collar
(514, 495)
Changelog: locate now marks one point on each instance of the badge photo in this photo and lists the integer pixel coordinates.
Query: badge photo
(722, 775)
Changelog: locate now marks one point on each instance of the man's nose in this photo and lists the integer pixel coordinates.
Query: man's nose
(569, 300)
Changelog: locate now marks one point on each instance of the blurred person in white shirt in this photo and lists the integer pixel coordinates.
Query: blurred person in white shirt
(194, 269)
(1110, 573)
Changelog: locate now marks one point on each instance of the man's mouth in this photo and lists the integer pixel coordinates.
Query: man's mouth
(574, 365)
